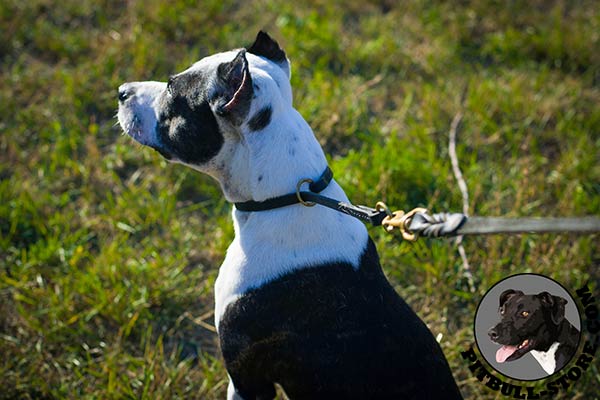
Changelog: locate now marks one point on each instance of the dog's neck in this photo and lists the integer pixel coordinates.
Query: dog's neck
(270, 244)
(270, 163)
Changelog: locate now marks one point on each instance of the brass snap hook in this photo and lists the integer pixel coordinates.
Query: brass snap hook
(300, 199)
(402, 220)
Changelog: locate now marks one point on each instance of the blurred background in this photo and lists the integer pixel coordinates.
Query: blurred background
(108, 254)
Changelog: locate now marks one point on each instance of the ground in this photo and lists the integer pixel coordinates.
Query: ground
(108, 254)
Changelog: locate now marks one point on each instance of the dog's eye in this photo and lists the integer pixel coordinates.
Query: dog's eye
(525, 313)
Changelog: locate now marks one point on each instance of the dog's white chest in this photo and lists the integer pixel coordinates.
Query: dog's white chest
(547, 359)
(274, 243)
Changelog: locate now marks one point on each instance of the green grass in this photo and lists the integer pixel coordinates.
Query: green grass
(108, 254)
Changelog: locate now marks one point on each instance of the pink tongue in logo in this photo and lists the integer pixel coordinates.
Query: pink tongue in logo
(504, 352)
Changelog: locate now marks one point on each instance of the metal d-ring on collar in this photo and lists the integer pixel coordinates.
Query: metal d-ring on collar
(299, 196)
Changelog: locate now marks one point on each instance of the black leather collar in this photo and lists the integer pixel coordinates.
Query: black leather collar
(288, 199)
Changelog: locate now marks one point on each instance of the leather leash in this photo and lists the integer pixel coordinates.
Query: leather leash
(418, 222)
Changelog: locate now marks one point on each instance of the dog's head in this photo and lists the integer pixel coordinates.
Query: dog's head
(215, 117)
(527, 323)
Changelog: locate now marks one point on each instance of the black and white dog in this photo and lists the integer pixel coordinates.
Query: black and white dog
(536, 324)
(301, 299)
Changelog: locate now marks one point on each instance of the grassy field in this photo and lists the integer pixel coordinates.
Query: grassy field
(108, 254)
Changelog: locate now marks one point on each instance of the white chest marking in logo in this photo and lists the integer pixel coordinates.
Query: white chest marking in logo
(547, 359)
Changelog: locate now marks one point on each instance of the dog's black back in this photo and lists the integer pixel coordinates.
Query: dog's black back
(332, 332)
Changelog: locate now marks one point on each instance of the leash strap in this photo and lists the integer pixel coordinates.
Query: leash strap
(418, 222)
(367, 214)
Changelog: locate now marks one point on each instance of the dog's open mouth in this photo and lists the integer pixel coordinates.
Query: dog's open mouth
(510, 353)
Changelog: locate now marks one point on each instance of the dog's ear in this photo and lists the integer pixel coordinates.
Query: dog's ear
(267, 47)
(555, 304)
(233, 90)
(507, 294)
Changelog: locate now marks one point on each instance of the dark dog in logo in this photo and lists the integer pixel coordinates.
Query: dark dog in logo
(536, 324)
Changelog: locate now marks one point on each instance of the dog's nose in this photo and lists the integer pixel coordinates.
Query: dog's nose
(493, 334)
(123, 94)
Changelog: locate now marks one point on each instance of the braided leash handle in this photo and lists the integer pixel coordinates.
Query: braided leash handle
(436, 225)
